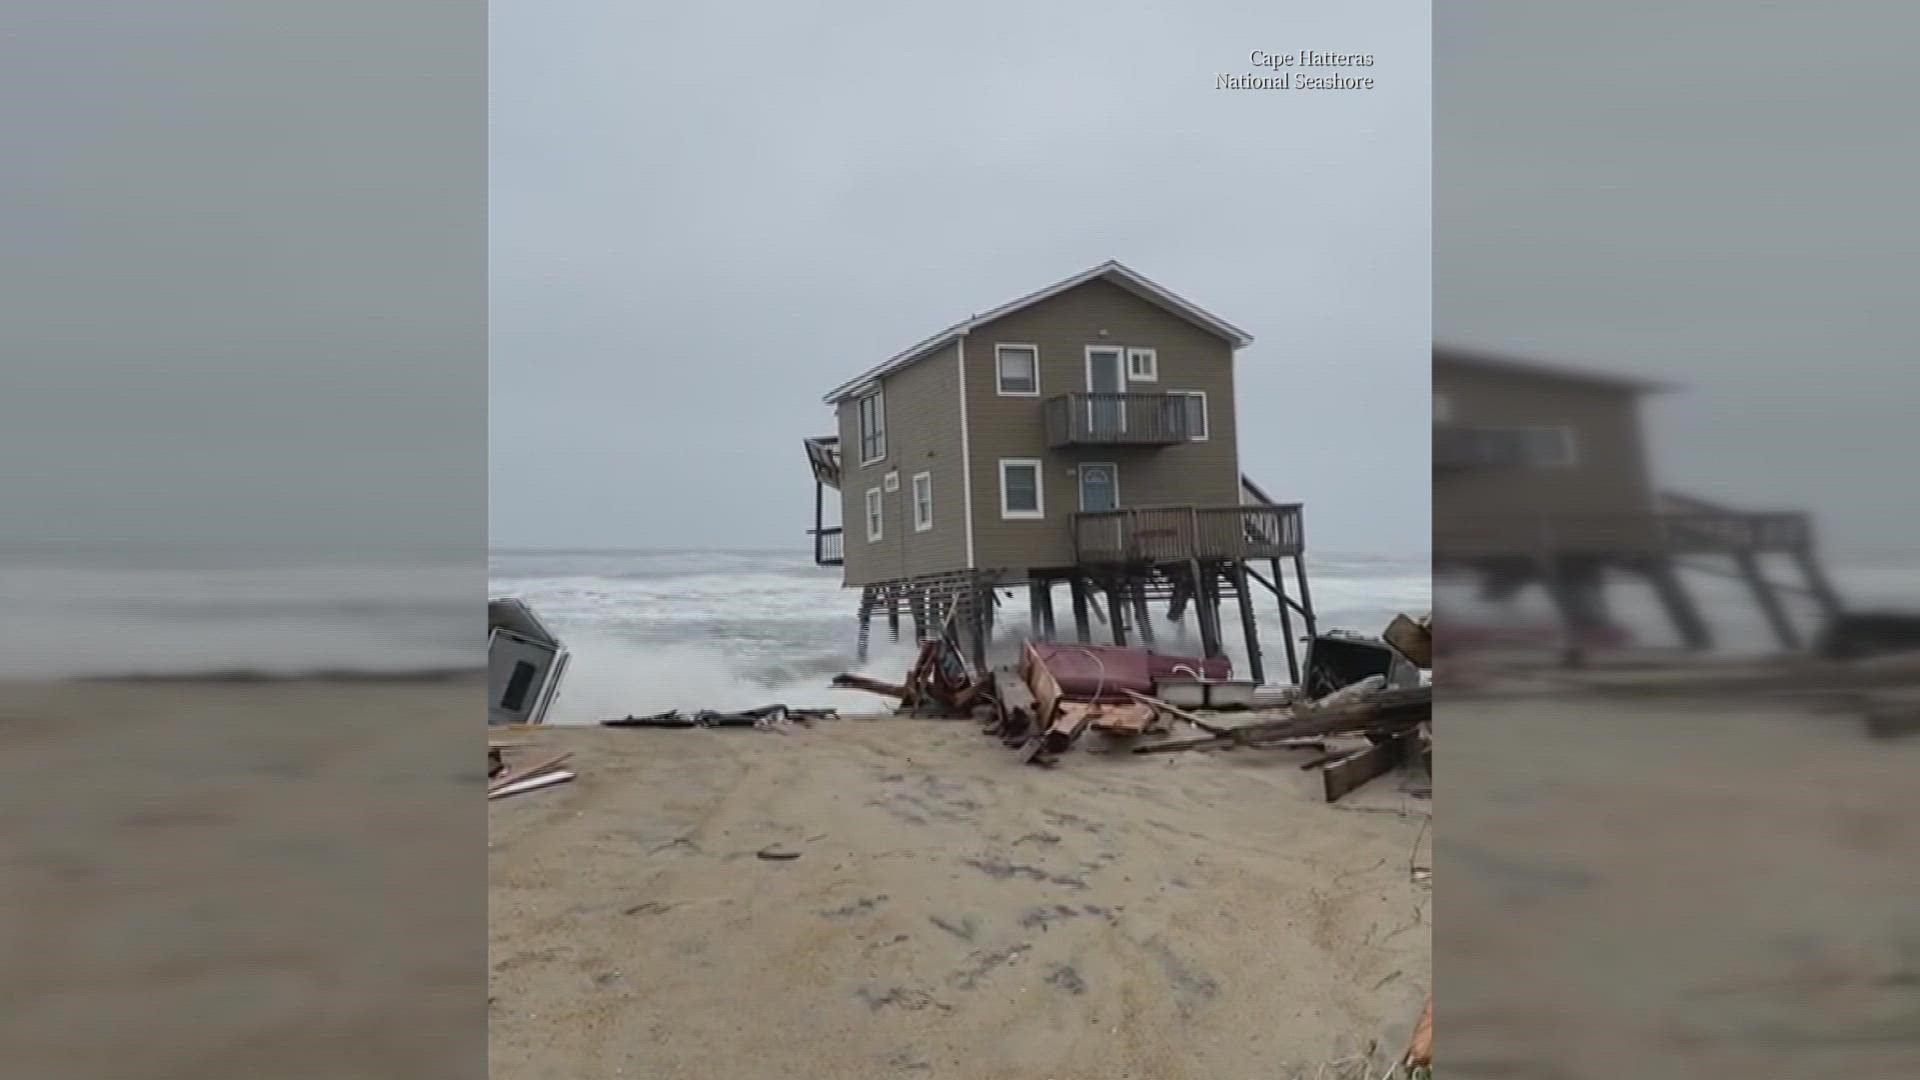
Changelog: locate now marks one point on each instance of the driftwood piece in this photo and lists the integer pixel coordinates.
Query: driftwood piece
(870, 685)
(1356, 769)
(1157, 705)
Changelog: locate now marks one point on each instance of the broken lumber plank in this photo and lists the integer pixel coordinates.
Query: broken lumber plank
(1420, 1047)
(514, 774)
(1160, 706)
(1017, 706)
(871, 685)
(1354, 770)
(1123, 720)
(1046, 689)
(531, 783)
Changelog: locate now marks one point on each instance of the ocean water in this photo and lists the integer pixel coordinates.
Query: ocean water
(730, 630)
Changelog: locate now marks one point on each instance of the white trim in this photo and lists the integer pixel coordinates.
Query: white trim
(1153, 365)
(1080, 485)
(1206, 413)
(1112, 270)
(876, 515)
(890, 483)
(1000, 387)
(966, 450)
(879, 397)
(913, 492)
(1039, 490)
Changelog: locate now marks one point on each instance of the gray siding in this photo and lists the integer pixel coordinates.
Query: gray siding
(1611, 474)
(923, 435)
(1097, 313)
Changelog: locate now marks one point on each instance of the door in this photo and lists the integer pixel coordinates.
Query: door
(1099, 488)
(1106, 381)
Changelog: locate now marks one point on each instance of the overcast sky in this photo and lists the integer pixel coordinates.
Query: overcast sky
(704, 218)
(1714, 194)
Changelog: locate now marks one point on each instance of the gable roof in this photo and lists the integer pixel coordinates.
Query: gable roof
(1457, 356)
(1111, 270)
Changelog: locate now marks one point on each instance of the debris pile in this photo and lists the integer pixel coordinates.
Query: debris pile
(766, 717)
(508, 774)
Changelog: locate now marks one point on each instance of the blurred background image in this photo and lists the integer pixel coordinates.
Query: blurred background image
(1676, 549)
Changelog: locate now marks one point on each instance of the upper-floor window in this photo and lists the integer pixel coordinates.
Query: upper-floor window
(1017, 370)
(1193, 412)
(873, 428)
(1143, 365)
(922, 501)
(876, 519)
(1020, 489)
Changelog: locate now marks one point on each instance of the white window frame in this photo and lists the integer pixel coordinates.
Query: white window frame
(922, 480)
(1206, 416)
(879, 399)
(1039, 489)
(876, 516)
(999, 386)
(1152, 371)
(1080, 487)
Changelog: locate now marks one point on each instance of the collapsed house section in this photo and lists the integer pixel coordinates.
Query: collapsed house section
(525, 661)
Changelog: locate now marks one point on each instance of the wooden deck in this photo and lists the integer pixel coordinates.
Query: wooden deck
(1179, 533)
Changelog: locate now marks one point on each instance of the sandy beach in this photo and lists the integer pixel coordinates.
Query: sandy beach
(234, 880)
(951, 912)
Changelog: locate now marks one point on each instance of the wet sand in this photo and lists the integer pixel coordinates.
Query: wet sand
(952, 913)
(217, 880)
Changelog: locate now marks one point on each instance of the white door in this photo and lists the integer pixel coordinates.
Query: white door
(1099, 488)
(1106, 379)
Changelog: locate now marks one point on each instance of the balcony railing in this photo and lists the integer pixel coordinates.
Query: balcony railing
(1690, 533)
(1117, 420)
(1175, 533)
(828, 547)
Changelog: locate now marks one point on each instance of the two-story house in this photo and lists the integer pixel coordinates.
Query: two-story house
(1082, 435)
(1541, 476)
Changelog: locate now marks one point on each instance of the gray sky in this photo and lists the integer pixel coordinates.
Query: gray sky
(704, 218)
(1716, 194)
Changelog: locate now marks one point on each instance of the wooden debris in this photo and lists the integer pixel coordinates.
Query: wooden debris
(1180, 714)
(530, 783)
(1413, 638)
(1355, 769)
(1420, 1048)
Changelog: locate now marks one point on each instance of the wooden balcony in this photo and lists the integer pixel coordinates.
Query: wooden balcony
(1116, 420)
(1686, 533)
(828, 546)
(1178, 533)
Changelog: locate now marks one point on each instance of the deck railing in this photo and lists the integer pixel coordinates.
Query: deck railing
(1117, 420)
(828, 547)
(1689, 533)
(1176, 533)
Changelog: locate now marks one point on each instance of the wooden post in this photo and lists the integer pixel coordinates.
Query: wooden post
(1769, 600)
(1142, 618)
(979, 603)
(1306, 597)
(1686, 618)
(1045, 593)
(1117, 612)
(1206, 606)
(819, 520)
(1248, 626)
(866, 624)
(1286, 622)
(917, 600)
(893, 612)
(1083, 631)
(1817, 584)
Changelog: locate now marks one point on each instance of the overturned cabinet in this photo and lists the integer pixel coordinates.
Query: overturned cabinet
(524, 664)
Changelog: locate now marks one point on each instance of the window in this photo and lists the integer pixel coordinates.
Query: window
(875, 521)
(891, 482)
(1143, 365)
(1020, 489)
(1193, 408)
(1442, 408)
(922, 501)
(1548, 447)
(1018, 370)
(873, 428)
(1527, 447)
(514, 698)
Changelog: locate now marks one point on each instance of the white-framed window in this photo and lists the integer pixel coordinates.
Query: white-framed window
(1143, 365)
(1550, 447)
(876, 518)
(922, 501)
(890, 483)
(1193, 407)
(873, 428)
(1022, 494)
(1017, 370)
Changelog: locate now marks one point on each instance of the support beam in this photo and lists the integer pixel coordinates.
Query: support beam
(1207, 604)
(1769, 600)
(917, 599)
(979, 604)
(1686, 618)
(1045, 593)
(1306, 595)
(1082, 630)
(1286, 622)
(893, 612)
(1248, 626)
(1817, 584)
(1142, 618)
(866, 624)
(1036, 593)
(1117, 612)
